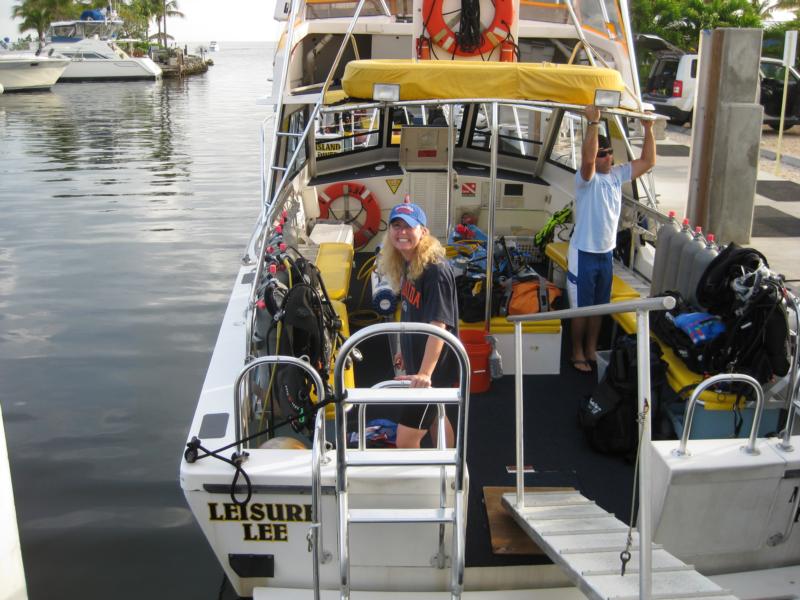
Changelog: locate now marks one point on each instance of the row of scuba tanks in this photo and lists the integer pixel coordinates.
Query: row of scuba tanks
(682, 256)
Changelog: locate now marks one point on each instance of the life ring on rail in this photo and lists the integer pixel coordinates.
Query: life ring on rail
(369, 205)
(441, 34)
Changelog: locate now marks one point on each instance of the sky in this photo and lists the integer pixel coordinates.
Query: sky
(206, 20)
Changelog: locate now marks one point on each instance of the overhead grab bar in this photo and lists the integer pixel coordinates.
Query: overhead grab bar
(691, 404)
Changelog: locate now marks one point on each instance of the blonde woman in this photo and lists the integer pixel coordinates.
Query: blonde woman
(415, 264)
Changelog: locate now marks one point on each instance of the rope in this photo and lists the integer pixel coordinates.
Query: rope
(469, 35)
(625, 555)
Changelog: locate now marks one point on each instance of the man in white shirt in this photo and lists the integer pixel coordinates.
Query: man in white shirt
(598, 202)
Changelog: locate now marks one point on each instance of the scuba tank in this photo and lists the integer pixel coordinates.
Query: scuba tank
(681, 238)
(665, 235)
(688, 253)
(384, 298)
(699, 265)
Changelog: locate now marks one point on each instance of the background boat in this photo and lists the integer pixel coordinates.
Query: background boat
(25, 71)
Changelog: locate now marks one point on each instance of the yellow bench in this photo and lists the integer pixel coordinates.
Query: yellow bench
(503, 325)
(335, 264)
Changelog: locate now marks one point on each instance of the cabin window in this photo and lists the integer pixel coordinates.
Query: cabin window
(567, 148)
(520, 128)
(347, 131)
(437, 116)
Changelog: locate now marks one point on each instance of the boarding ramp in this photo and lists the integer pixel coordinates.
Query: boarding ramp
(601, 555)
(450, 461)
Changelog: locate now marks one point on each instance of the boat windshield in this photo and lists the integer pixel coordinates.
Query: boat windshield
(71, 31)
(327, 9)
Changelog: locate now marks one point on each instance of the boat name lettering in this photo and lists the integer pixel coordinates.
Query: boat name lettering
(265, 532)
(259, 511)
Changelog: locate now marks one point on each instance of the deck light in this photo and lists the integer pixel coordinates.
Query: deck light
(607, 98)
(386, 92)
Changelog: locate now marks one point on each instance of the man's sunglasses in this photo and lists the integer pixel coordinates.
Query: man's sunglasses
(604, 153)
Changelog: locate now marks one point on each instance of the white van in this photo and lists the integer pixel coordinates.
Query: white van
(671, 85)
(672, 81)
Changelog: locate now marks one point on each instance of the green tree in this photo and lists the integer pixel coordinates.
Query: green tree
(681, 21)
(38, 14)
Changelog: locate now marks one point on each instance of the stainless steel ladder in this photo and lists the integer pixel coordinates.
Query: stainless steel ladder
(439, 456)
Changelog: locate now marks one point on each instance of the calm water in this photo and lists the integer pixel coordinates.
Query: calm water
(125, 208)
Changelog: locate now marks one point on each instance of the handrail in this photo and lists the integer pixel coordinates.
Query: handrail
(318, 458)
(241, 428)
(642, 308)
(750, 448)
(645, 304)
(623, 112)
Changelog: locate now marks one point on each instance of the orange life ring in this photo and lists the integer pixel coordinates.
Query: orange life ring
(369, 205)
(441, 34)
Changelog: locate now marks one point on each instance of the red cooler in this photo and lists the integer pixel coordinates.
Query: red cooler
(478, 351)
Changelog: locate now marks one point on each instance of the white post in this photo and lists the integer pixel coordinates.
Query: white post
(518, 415)
(789, 52)
(645, 405)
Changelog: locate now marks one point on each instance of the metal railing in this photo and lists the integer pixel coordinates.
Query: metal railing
(241, 412)
(694, 399)
(642, 309)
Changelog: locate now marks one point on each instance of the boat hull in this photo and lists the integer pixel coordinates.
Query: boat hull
(30, 74)
(130, 69)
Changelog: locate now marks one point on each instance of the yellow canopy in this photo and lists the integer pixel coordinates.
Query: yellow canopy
(434, 79)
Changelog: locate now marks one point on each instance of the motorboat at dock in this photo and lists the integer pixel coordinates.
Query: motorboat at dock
(28, 71)
(90, 44)
(277, 470)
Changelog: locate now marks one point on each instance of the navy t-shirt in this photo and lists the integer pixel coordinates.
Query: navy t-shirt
(430, 297)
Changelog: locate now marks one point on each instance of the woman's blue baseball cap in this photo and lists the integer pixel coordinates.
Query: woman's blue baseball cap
(410, 213)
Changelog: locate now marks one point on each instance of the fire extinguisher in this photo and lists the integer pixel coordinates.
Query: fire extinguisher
(423, 49)
(508, 51)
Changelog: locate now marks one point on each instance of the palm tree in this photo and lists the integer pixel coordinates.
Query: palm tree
(38, 14)
(170, 9)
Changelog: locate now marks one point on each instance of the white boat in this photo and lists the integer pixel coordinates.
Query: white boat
(94, 54)
(213, 47)
(293, 501)
(26, 71)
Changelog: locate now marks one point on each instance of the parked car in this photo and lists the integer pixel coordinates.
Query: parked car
(672, 82)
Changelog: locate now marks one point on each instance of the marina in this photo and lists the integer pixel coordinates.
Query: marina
(144, 184)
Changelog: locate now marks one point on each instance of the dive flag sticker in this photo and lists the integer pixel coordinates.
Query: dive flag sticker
(469, 189)
(394, 184)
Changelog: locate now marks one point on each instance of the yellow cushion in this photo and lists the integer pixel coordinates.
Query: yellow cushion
(335, 263)
(557, 252)
(621, 290)
(679, 376)
(503, 325)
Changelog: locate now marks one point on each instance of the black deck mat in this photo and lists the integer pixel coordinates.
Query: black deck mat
(771, 222)
(779, 191)
(672, 150)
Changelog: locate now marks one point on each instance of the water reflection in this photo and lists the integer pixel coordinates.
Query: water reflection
(125, 210)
